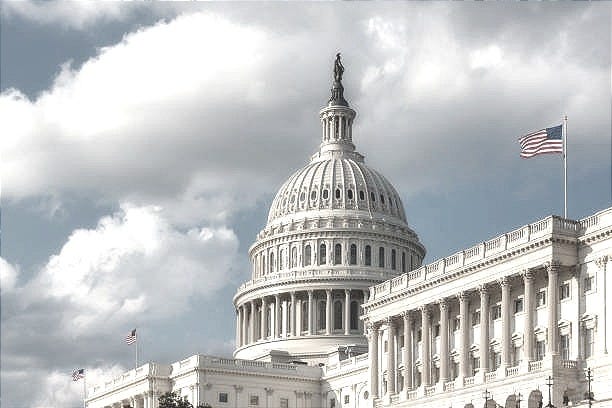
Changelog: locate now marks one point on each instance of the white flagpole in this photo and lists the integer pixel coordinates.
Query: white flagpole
(565, 167)
(136, 344)
(84, 388)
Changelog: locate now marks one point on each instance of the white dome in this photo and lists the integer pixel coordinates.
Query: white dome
(342, 182)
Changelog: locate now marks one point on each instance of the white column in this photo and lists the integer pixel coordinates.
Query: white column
(391, 356)
(298, 318)
(328, 311)
(425, 345)
(277, 317)
(553, 297)
(506, 323)
(528, 344)
(444, 353)
(602, 264)
(347, 311)
(293, 314)
(310, 312)
(263, 326)
(245, 330)
(284, 319)
(253, 336)
(464, 364)
(373, 350)
(237, 327)
(407, 351)
(484, 329)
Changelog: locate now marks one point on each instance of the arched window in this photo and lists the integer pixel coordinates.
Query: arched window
(372, 197)
(325, 194)
(271, 269)
(281, 260)
(263, 264)
(337, 254)
(349, 194)
(354, 315)
(393, 265)
(337, 194)
(381, 257)
(307, 255)
(368, 255)
(361, 195)
(403, 261)
(304, 315)
(322, 254)
(293, 257)
(337, 314)
(321, 315)
(353, 257)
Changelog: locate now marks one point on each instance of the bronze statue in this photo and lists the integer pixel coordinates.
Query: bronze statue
(338, 69)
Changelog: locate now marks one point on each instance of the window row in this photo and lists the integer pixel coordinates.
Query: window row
(384, 258)
(385, 201)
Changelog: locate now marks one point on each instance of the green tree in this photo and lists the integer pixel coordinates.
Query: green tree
(172, 400)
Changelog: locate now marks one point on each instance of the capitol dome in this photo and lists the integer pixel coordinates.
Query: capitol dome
(335, 228)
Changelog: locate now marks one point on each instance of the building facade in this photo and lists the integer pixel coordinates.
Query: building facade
(340, 313)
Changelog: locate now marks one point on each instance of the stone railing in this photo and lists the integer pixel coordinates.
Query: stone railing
(523, 235)
(346, 365)
(468, 381)
(512, 371)
(129, 377)
(321, 274)
(412, 395)
(535, 365)
(429, 390)
(569, 364)
(394, 399)
(449, 386)
(490, 376)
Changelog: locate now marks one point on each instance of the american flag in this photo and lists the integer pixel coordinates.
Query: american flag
(549, 140)
(78, 374)
(131, 338)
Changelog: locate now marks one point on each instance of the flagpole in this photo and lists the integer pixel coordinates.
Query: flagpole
(84, 388)
(565, 168)
(136, 344)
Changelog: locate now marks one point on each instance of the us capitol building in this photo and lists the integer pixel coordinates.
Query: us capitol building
(340, 312)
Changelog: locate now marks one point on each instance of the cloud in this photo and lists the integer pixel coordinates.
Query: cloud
(133, 268)
(76, 15)
(8, 276)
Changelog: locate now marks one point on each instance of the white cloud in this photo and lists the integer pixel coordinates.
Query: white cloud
(71, 14)
(8, 276)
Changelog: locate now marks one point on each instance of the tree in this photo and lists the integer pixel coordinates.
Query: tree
(172, 400)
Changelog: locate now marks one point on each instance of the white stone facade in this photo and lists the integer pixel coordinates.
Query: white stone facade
(339, 312)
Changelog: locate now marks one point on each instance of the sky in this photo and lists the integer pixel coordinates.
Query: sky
(142, 144)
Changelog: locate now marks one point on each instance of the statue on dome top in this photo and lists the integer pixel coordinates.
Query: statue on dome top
(338, 69)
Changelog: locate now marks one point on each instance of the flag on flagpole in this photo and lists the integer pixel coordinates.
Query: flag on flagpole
(131, 338)
(78, 374)
(549, 140)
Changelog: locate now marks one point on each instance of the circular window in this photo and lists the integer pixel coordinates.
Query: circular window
(325, 194)
(337, 194)
(366, 395)
(349, 194)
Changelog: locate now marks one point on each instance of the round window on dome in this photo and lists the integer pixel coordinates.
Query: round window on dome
(361, 195)
(349, 194)
(372, 197)
(325, 194)
(313, 195)
(337, 194)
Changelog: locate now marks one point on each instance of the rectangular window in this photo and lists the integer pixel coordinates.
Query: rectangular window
(495, 360)
(541, 298)
(456, 323)
(223, 397)
(589, 343)
(496, 312)
(254, 400)
(419, 335)
(284, 403)
(475, 365)
(565, 347)
(588, 283)
(516, 355)
(401, 341)
(385, 346)
(540, 350)
(518, 305)
(564, 291)
(436, 330)
(454, 368)
(332, 403)
(476, 318)
(346, 399)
